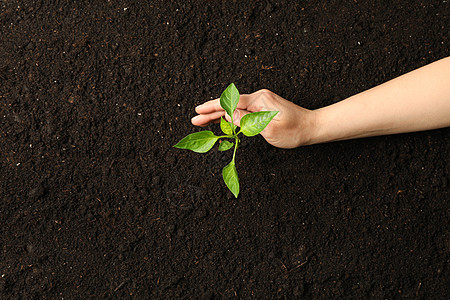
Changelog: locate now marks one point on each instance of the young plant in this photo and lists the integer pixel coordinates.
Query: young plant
(251, 125)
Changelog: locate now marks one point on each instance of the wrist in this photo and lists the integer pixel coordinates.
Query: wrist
(308, 133)
(320, 127)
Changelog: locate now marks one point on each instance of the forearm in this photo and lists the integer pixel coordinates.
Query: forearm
(419, 100)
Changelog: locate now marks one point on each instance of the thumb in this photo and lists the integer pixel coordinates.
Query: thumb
(237, 116)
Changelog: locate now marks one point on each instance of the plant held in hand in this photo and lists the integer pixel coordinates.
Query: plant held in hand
(251, 125)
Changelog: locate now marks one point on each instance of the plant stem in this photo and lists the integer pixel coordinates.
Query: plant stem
(233, 127)
(235, 146)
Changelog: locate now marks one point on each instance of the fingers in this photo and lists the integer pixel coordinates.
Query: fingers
(205, 119)
(238, 114)
(209, 107)
(214, 105)
(245, 101)
(211, 111)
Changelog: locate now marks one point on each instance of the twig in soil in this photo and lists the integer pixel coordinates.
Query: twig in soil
(283, 266)
(193, 186)
(182, 206)
(120, 285)
(298, 266)
(418, 288)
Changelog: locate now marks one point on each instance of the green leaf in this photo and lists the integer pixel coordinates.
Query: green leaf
(225, 145)
(230, 99)
(231, 179)
(254, 123)
(225, 126)
(200, 142)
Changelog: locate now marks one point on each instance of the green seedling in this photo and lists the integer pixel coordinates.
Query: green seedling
(251, 125)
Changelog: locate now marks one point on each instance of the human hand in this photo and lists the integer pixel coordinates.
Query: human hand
(290, 128)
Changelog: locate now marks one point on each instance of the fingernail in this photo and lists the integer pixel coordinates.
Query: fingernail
(195, 118)
(198, 106)
(236, 115)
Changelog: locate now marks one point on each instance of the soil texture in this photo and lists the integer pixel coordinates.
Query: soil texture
(96, 204)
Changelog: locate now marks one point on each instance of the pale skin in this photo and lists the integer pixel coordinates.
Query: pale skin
(416, 101)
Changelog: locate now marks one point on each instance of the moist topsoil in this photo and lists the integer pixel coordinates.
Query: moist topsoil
(95, 202)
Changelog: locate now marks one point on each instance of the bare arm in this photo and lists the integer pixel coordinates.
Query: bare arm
(418, 100)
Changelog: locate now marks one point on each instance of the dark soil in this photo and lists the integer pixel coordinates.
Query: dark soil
(95, 203)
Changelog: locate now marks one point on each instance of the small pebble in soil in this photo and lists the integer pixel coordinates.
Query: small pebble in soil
(30, 46)
(140, 211)
(170, 159)
(201, 213)
(243, 144)
(199, 194)
(444, 182)
(122, 248)
(90, 216)
(82, 210)
(170, 228)
(299, 290)
(435, 182)
(173, 280)
(37, 192)
(156, 180)
(382, 145)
